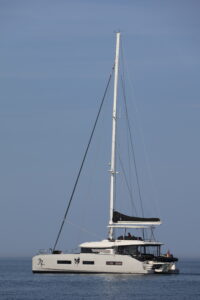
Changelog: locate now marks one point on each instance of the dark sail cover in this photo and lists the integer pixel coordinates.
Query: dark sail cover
(120, 217)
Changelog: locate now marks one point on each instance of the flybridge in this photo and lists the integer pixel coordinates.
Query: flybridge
(109, 244)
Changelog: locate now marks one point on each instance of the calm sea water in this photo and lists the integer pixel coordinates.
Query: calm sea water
(18, 282)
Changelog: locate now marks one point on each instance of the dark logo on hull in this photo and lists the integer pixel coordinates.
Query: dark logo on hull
(77, 260)
(40, 262)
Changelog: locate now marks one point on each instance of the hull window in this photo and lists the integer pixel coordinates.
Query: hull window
(65, 262)
(114, 263)
(88, 262)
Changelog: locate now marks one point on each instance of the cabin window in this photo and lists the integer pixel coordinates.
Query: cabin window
(88, 262)
(114, 263)
(149, 249)
(64, 262)
(86, 250)
(130, 250)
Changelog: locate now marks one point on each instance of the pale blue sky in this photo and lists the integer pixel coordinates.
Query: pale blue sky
(55, 58)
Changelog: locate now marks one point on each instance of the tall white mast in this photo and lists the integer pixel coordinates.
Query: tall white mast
(114, 125)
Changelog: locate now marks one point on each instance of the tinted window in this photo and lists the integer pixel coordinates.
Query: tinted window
(88, 262)
(65, 262)
(114, 263)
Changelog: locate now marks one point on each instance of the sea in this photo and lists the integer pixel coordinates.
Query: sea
(18, 283)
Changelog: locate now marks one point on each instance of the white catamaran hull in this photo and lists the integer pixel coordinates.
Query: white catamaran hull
(96, 263)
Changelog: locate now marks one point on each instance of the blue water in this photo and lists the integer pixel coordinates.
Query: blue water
(18, 282)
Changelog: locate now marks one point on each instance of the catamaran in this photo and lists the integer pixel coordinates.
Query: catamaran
(126, 254)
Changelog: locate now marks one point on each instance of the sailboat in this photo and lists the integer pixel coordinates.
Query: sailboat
(126, 254)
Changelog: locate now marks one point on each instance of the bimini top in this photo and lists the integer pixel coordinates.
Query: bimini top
(121, 220)
(117, 216)
(116, 243)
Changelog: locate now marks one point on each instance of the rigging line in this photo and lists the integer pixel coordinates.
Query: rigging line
(83, 160)
(131, 140)
(146, 157)
(129, 162)
(84, 229)
(126, 180)
(132, 148)
(130, 171)
(127, 132)
(129, 182)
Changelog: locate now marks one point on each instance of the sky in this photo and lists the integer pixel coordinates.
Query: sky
(55, 59)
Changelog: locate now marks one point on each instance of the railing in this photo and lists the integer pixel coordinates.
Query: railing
(44, 251)
(49, 251)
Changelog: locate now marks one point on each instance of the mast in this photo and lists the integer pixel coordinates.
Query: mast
(113, 146)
